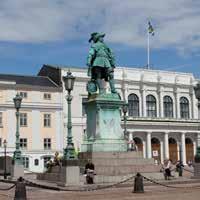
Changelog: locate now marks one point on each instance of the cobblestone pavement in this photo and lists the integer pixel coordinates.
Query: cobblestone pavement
(187, 192)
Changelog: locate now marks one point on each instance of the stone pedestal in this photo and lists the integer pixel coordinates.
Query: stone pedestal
(70, 174)
(104, 132)
(17, 171)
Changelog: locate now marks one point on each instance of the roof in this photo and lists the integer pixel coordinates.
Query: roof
(28, 80)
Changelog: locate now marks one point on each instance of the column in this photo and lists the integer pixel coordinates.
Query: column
(198, 140)
(149, 151)
(143, 103)
(194, 147)
(177, 114)
(144, 149)
(166, 145)
(192, 104)
(183, 149)
(161, 152)
(130, 139)
(160, 103)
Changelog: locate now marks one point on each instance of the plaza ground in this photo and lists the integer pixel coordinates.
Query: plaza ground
(155, 192)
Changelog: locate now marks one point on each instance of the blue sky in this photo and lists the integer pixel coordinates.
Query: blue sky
(37, 32)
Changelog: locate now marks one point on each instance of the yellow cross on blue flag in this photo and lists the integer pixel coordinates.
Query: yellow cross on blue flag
(150, 29)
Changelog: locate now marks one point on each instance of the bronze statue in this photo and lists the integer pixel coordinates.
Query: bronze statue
(101, 64)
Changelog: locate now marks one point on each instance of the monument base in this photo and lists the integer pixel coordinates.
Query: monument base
(108, 145)
(17, 171)
(69, 176)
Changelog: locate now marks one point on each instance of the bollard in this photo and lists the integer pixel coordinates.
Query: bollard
(20, 190)
(138, 184)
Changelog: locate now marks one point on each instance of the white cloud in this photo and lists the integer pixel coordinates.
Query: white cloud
(176, 23)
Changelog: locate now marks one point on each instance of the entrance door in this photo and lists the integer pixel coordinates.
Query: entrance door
(138, 143)
(189, 150)
(173, 151)
(155, 146)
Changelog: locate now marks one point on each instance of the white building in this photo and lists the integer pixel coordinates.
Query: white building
(163, 117)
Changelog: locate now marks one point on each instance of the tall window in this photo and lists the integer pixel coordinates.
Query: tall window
(133, 105)
(1, 118)
(47, 120)
(83, 106)
(23, 143)
(168, 106)
(25, 161)
(184, 107)
(0, 142)
(23, 95)
(151, 106)
(23, 119)
(47, 143)
(47, 96)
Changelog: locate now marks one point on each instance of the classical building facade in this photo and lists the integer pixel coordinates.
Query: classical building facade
(163, 118)
(40, 116)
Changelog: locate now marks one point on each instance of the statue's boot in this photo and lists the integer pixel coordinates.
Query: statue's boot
(100, 86)
(112, 86)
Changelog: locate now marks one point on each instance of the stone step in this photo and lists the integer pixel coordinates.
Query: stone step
(125, 169)
(102, 179)
(104, 155)
(54, 177)
(121, 161)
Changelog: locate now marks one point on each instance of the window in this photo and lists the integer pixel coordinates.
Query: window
(133, 105)
(168, 106)
(0, 142)
(25, 161)
(1, 119)
(23, 143)
(23, 119)
(151, 106)
(36, 162)
(184, 107)
(46, 159)
(47, 120)
(23, 95)
(47, 96)
(83, 106)
(47, 143)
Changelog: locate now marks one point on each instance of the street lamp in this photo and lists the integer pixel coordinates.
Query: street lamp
(125, 110)
(17, 154)
(5, 172)
(69, 153)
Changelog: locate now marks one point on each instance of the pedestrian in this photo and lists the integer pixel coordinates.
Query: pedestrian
(179, 168)
(89, 171)
(167, 169)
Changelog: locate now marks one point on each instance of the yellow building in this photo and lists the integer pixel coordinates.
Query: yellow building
(41, 118)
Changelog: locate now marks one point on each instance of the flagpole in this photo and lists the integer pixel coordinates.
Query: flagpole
(148, 49)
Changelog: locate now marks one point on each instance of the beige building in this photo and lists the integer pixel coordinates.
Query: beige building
(40, 117)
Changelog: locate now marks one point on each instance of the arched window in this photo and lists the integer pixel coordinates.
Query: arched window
(133, 105)
(184, 107)
(168, 106)
(151, 106)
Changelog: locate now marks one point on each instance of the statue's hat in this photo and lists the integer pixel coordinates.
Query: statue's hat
(94, 36)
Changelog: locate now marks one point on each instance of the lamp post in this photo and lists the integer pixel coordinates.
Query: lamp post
(69, 153)
(125, 110)
(17, 154)
(5, 172)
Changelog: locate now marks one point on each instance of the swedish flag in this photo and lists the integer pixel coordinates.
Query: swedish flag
(150, 29)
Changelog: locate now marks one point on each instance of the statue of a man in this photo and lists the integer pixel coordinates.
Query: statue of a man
(101, 63)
